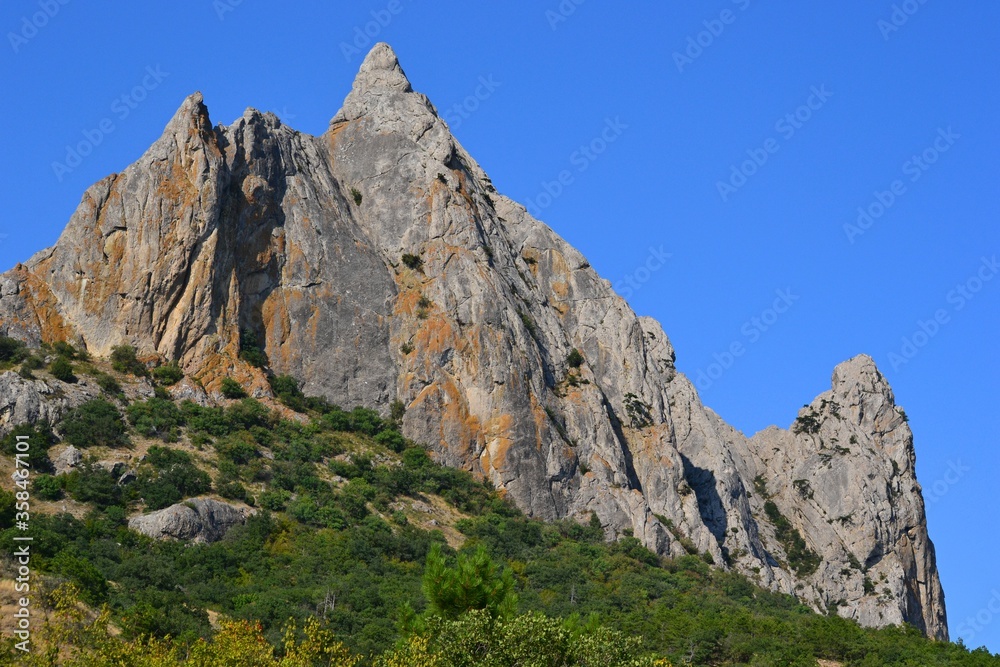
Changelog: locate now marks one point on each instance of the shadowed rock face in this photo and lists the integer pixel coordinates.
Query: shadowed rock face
(301, 240)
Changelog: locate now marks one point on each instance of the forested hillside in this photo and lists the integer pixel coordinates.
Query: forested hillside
(360, 550)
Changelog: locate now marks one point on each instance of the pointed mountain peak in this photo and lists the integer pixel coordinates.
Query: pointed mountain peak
(381, 84)
(192, 112)
(381, 71)
(189, 127)
(858, 382)
(859, 371)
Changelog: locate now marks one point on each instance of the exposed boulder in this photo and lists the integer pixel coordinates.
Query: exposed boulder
(195, 520)
(68, 459)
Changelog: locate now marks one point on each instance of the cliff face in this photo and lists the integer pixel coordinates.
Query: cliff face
(302, 239)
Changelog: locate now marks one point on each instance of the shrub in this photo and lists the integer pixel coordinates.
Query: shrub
(356, 196)
(123, 360)
(286, 388)
(233, 491)
(39, 438)
(800, 557)
(247, 414)
(275, 500)
(95, 423)
(168, 374)
(64, 349)
(91, 483)
(638, 411)
(30, 363)
(232, 389)
(108, 384)
(391, 439)
(358, 420)
(8, 509)
(33, 362)
(413, 262)
(47, 487)
(168, 476)
(62, 370)
(574, 359)
(156, 418)
(251, 351)
(397, 409)
(12, 350)
(240, 448)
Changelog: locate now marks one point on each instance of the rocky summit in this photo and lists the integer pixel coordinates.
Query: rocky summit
(377, 263)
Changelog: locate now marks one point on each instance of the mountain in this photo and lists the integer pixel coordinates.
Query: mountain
(377, 263)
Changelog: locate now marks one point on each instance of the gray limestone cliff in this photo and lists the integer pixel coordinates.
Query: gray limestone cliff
(301, 239)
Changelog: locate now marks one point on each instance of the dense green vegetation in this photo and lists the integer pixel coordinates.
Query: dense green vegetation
(96, 423)
(334, 540)
(168, 374)
(250, 349)
(124, 360)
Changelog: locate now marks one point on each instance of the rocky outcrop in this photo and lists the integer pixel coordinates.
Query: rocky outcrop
(844, 477)
(377, 262)
(67, 460)
(196, 520)
(25, 401)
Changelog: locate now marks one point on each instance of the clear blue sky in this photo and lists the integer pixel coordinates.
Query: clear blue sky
(880, 94)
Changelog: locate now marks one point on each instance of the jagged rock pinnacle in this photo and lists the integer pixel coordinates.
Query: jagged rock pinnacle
(380, 85)
(381, 70)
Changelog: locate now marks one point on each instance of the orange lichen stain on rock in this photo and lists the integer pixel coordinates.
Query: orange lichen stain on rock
(114, 247)
(653, 441)
(497, 432)
(176, 188)
(436, 334)
(216, 366)
(531, 257)
(460, 432)
(277, 323)
(560, 290)
(43, 303)
(332, 138)
(596, 458)
(558, 263)
(541, 419)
